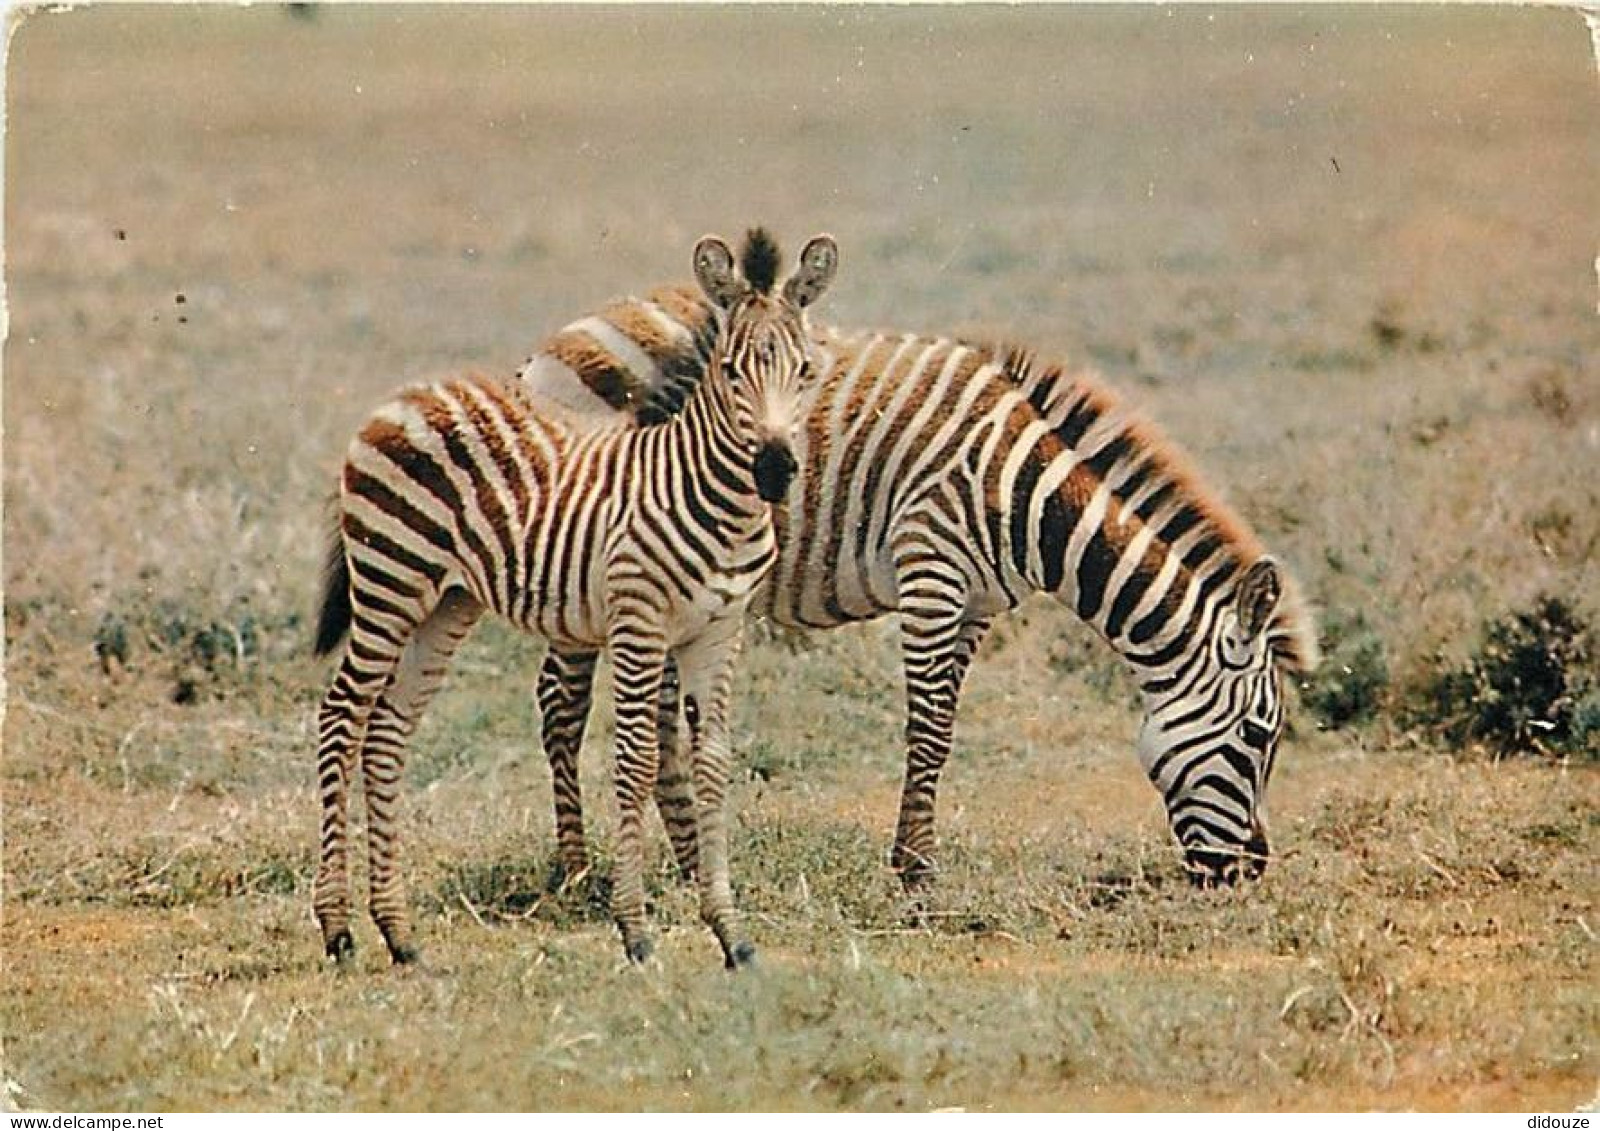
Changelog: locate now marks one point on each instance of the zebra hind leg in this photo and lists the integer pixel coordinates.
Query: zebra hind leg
(417, 676)
(341, 731)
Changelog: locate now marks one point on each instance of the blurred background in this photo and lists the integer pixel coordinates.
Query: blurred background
(1329, 249)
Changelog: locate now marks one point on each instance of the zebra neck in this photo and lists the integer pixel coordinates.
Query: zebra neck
(707, 438)
(1125, 552)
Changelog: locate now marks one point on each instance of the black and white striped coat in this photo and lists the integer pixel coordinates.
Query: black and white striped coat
(945, 482)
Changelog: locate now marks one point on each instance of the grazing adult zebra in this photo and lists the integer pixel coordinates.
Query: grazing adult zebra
(464, 495)
(946, 481)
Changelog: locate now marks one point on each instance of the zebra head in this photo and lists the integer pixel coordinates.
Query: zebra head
(1209, 740)
(764, 354)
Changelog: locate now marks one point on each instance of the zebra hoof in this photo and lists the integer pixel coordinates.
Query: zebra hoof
(565, 876)
(405, 954)
(341, 947)
(916, 870)
(639, 951)
(741, 956)
(917, 877)
(915, 916)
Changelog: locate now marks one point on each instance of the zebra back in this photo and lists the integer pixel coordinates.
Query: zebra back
(637, 357)
(641, 358)
(1125, 447)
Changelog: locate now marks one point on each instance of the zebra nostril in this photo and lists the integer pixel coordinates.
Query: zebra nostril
(1253, 863)
(1206, 867)
(774, 468)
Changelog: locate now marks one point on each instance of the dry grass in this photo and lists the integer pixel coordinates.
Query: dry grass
(1343, 257)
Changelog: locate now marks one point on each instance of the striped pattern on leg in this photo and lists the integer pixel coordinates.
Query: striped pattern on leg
(565, 684)
(706, 669)
(678, 730)
(416, 679)
(638, 655)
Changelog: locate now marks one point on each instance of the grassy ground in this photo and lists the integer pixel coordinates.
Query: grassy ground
(1345, 257)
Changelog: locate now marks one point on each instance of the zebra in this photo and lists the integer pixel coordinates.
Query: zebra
(946, 480)
(468, 495)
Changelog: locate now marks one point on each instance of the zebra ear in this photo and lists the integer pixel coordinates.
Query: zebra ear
(714, 271)
(818, 262)
(1259, 592)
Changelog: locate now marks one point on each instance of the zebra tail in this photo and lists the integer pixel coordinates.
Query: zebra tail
(334, 620)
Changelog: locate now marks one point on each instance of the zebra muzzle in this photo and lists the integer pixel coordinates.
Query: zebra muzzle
(1214, 867)
(774, 469)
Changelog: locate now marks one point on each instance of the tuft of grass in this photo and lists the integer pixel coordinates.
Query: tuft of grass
(1550, 391)
(154, 872)
(1529, 688)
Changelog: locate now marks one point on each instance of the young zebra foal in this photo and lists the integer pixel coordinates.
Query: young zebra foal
(465, 495)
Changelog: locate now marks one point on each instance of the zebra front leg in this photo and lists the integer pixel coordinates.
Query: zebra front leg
(707, 667)
(637, 659)
(675, 779)
(416, 678)
(938, 646)
(565, 693)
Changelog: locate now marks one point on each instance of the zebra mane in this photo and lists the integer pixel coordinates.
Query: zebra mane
(1074, 404)
(760, 260)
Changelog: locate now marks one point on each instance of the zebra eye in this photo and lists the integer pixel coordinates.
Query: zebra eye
(728, 369)
(1254, 734)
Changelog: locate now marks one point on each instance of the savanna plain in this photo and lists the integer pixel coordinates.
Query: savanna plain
(1345, 257)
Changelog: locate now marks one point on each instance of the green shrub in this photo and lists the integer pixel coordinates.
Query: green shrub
(1530, 687)
(1350, 684)
(201, 649)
